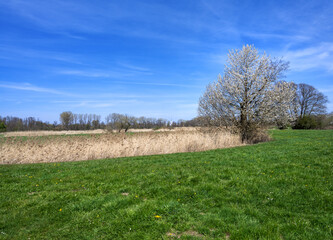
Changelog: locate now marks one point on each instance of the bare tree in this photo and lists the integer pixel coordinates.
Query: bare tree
(311, 101)
(120, 121)
(247, 95)
(66, 119)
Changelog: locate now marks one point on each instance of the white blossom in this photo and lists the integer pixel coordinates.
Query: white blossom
(250, 93)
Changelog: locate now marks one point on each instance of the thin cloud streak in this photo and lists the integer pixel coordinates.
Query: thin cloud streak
(328, 89)
(103, 73)
(29, 87)
(32, 88)
(158, 84)
(317, 57)
(17, 53)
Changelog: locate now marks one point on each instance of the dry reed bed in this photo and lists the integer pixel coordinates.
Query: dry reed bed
(48, 133)
(96, 131)
(74, 148)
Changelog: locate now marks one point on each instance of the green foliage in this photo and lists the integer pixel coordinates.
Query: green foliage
(2, 127)
(306, 122)
(281, 189)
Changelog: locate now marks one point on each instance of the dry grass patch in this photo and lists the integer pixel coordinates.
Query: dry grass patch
(187, 233)
(48, 133)
(75, 148)
(96, 131)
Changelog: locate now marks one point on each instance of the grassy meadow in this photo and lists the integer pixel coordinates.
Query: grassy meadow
(281, 189)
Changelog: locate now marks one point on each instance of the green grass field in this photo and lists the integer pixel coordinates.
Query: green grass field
(281, 189)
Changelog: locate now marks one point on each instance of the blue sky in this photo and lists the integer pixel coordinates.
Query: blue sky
(148, 58)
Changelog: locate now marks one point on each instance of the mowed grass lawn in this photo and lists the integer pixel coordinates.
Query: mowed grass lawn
(281, 189)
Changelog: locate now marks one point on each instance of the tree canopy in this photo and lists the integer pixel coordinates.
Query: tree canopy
(250, 92)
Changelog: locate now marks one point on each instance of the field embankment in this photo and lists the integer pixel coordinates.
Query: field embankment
(112, 145)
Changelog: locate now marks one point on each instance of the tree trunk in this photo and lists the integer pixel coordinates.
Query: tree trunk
(243, 126)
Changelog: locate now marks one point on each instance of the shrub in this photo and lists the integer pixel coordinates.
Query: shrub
(258, 136)
(306, 122)
(2, 127)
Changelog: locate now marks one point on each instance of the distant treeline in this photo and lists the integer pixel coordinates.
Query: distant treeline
(73, 121)
(123, 122)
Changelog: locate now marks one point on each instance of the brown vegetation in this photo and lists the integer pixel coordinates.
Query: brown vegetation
(49, 133)
(111, 145)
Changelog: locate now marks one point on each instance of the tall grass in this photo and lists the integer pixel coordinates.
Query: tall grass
(85, 147)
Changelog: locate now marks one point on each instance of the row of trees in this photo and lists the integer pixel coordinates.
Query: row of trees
(123, 121)
(10, 123)
(72, 121)
(114, 121)
(252, 93)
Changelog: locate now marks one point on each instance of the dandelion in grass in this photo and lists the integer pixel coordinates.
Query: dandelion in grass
(60, 209)
(157, 216)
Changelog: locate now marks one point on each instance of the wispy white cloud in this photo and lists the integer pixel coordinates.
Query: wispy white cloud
(133, 71)
(56, 15)
(106, 104)
(69, 18)
(328, 89)
(133, 67)
(100, 73)
(265, 36)
(93, 73)
(29, 87)
(316, 57)
(158, 84)
(18, 53)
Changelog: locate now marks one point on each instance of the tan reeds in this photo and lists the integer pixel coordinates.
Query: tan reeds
(74, 148)
(48, 133)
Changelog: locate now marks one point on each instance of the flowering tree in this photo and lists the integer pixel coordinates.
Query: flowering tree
(250, 93)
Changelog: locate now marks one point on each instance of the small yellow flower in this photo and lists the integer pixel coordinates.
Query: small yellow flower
(157, 216)
(136, 196)
(37, 185)
(60, 209)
